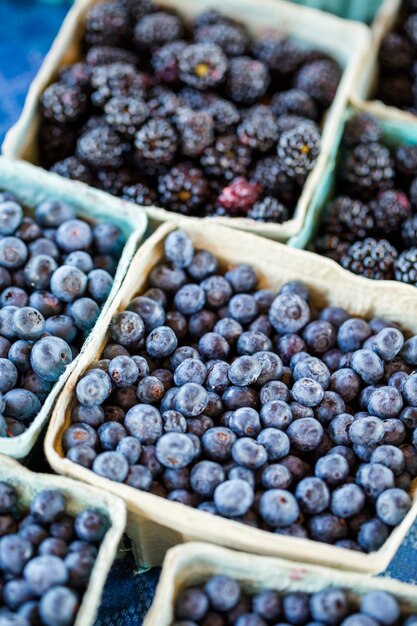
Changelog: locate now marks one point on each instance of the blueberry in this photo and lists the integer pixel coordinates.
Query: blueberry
(368, 431)
(242, 278)
(109, 435)
(61, 326)
(245, 370)
(272, 367)
(47, 506)
(249, 453)
(380, 606)
(261, 324)
(327, 528)
(252, 342)
(99, 284)
(16, 592)
(151, 312)
(312, 495)
(112, 465)
(83, 455)
(276, 443)
(267, 604)
(392, 506)
(245, 422)
(218, 292)
(319, 336)
(305, 434)
(385, 402)
(243, 308)
(191, 399)
(333, 469)
(144, 422)
(8, 375)
(217, 443)
(347, 500)
(79, 435)
(213, 346)
(233, 498)
(123, 371)
(409, 351)
(278, 507)
(174, 422)
(175, 450)
(161, 342)
(11, 216)
(13, 253)
(228, 328)
(388, 343)
(190, 299)
(68, 283)
(139, 477)
(372, 535)
(223, 592)
(329, 606)
(273, 391)
(276, 476)
(295, 607)
(358, 619)
(80, 259)
(52, 213)
(85, 313)
(331, 406)
(93, 388)
(44, 572)
(15, 552)
(409, 389)
(127, 328)
(39, 270)
(190, 370)
(203, 264)
(8, 497)
(49, 357)
(390, 456)
(410, 456)
(19, 355)
(314, 368)
(352, 333)
(289, 313)
(58, 606)
(21, 404)
(191, 604)
(179, 249)
(307, 392)
(6, 321)
(79, 566)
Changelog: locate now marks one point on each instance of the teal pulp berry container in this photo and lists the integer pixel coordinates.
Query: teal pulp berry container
(396, 131)
(359, 10)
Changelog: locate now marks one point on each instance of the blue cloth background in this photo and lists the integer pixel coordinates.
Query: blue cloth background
(27, 28)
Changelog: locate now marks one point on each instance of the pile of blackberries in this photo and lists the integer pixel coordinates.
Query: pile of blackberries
(56, 271)
(46, 557)
(370, 228)
(253, 405)
(222, 602)
(397, 85)
(198, 117)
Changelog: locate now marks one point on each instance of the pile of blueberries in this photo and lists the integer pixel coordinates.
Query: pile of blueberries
(46, 557)
(222, 602)
(253, 405)
(56, 271)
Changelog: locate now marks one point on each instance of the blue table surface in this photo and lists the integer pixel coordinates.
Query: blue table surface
(27, 28)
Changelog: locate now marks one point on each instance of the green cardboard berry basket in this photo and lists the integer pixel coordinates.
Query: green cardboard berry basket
(195, 563)
(78, 498)
(347, 42)
(32, 185)
(396, 130)
(360, 10)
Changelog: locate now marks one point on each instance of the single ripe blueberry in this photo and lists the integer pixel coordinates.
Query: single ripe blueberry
(312, 495)
(347, 500)
(245, 370)
(127, 328)
(392, 506)
(175, 450)
(112, 465)
(289, 313)
(387, 343)
(329, 606)
(233, 498)
(278, 507)
(179, 249)
(305, 434)
(93, 388)
(380, 606)
(368, 431)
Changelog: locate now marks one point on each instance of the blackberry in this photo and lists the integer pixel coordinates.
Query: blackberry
(76, 75)
(239, 196)
(224, 113)
(139, 8)
(319, 80)
(406, 267)
(107, 24)
(141, 194)
(269, 173)
(390, 209)
(258, 129)
(406, 160)
(163, 102)
(294, 102)
(227, 158)
(63, 103)
(183, 189)
(368, 168)
(55, 142)
(125, 114)
(331, 246)
(202, 65)
(165, 61)
(351, 216)
(248, 79)
(93, 122)
(371, 258)
(298, 150)
(230, 37)
(269, 210)
(115, 80)
(280, 55)
(71, 167)
(101, 148)
(156, 141)
(195, 129)
(409, 231)
(288, 121)
(114, 181)
(395, 53)
(107, 55)
(157, 29)
(362, 128)
(194, 98)
(396, 90)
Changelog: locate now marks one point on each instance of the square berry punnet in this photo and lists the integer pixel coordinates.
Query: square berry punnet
(32, 186)
(346, 42)
(156, 523)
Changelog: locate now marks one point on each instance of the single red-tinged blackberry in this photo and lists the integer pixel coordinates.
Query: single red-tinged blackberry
(390, 209)
(63, 103)
(320, 80)
(396, 90)
(239, 196)
(139, 8)
(125, 115)
(224, 113)
(157, 29)
(71, 167)
(362, 128)
(258, 128)
(227, 158)
(368, 168)
(298, 150)
(281, 55)
(406, 267)
(209, 17)
(371, 258)
(106, 55)
(395, 53)
(102, 148)
(268, 209)
(406, 160)
(163, 102)
(108, 23)
(183, 189)
(156, 141)
(331, 246)
(196, 131)
(116, 79)
(76, 75)
(141, 194)
(248, 80)
(55, 142)
(268, 172)
(294, 102)
(114, 181)
(202, 65)
(230, 37)
(410, 28)
(351, 216)
(165, 61)
(409, 231)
